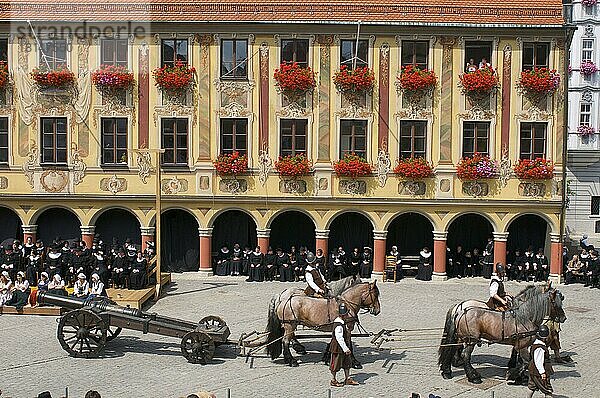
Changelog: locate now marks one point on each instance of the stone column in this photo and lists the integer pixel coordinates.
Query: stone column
(29, 231)
(555, 258)
(147, 236)
(500, 248)
(439, 255)
(263, 239)
(87, 234)
(322, 241)
(379, 240)
(205, 251)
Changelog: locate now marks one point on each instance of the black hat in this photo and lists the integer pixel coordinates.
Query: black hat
(499, 268)
(310, 258)
(543, 331)
(121, 250)
(279, 249)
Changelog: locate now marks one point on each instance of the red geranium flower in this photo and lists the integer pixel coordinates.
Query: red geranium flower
(476, 167)
(293, 166)
(231, 164)
(539, 81)
(414, 79)
(414, 168)
(352, 165)
(4, 75)
(112, 77)
(174, 78)
(293, 79)
(482, 81)
(57, 78)
(354, 81)
(536, 169)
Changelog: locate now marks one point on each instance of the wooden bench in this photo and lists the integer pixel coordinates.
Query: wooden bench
(136, 298)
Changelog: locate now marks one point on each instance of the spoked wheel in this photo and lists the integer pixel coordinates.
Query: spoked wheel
(212, 322)
(82, 333)
(198, 347)
(112, 333)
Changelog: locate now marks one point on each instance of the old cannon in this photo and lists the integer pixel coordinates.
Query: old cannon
(90, 323)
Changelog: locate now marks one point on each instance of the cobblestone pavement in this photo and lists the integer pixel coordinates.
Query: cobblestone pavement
(152, 366)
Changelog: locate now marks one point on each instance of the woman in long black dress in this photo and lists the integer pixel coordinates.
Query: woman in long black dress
(137, 276)
(425, 269)
(223, 261)
(256, 272)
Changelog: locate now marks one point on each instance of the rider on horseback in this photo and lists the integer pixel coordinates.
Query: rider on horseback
(499, 300)
(317, 286)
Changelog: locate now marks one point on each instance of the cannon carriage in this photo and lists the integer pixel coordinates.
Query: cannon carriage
(91, 323)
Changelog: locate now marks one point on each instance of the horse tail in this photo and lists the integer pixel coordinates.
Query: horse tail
(275, 330)
(447, 349)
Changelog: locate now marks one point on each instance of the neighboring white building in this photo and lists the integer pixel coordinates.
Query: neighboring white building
(583, 166)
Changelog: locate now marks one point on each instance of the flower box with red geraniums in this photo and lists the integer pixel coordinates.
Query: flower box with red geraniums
(536, 169)
(293, 80)
(112, 77)
(539, 81)
(174, 78)
(353, 166)
(354, 82)
(293, 166)
(476, 167)
(415, 80)
(585, 131)
(61, 77)
(4, 75)
(414, 168)
(480, 82)
(231, 164)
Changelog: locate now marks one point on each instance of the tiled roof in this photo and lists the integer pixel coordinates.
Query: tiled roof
(500, 12)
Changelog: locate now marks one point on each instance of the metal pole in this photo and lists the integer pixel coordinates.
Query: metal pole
(157, 224)
(356, 46)
(228, 393)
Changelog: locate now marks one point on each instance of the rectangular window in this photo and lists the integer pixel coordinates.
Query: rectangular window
(4, 50)
(478, 54)
(234, 136)
(350, 56)
(533, 140)
(234, 59)
(415, 53)
(174, 140)
(3, 140)
(413, 138)
(587, 50)
(114, 140)
(113, 52)
(595, 208)
(295, 50)
(293, 136)
(174, 50)
(476, 138)
(53, 53)
(54, 140)
(535, 55)
(585, 114)
(353, 137)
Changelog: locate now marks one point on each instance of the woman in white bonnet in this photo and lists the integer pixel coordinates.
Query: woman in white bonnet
(20, 292)
(5, 288)
(81, 288)
(57, 286)
(97, 287)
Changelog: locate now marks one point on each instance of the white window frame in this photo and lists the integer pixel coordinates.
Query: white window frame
(587, 53)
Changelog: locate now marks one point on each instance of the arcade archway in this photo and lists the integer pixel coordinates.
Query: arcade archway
(10, 225)
(57, 224)
(179, 240)
(471, 231)
(118, 224)
(292, 228)
(411, 232)
(350, 230)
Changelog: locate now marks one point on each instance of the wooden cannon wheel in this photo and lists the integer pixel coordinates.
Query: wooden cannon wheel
(212, 321)
(197, 347)
(82, 333)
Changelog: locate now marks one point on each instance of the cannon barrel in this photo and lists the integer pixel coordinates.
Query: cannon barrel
(99, 304)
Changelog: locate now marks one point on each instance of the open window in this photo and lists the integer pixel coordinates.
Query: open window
(477, 54)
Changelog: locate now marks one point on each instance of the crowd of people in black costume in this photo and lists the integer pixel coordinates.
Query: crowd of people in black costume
(289, 265)
(63, 264)
(583, 266)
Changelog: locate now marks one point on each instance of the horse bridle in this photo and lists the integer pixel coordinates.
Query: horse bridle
(358, 305)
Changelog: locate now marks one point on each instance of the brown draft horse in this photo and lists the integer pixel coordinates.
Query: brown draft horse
(292, 308)
(471, 323)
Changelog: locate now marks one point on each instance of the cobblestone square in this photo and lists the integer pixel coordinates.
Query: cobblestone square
(152, 366)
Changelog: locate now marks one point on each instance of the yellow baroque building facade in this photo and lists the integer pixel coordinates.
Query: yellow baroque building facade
(74, 162)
